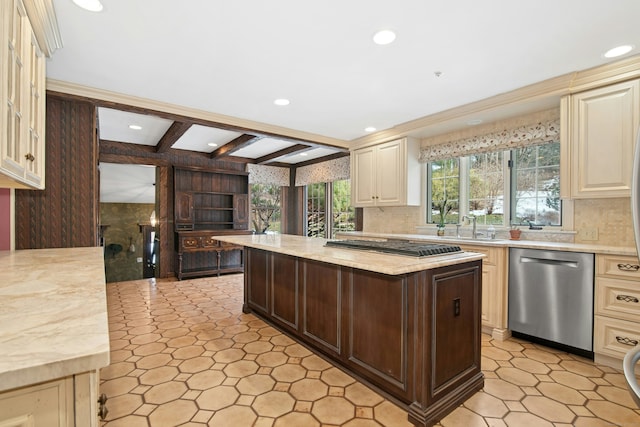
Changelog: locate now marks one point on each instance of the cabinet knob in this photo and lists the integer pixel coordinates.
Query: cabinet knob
(29, 157)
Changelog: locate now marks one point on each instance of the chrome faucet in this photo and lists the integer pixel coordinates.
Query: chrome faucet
(474, 233)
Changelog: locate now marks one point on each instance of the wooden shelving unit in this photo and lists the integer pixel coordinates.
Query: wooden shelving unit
(209, 203)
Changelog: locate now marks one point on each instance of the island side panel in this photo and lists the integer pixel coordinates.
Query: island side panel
(284, 290)
(256, 281)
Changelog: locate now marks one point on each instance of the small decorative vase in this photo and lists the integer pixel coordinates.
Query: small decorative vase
(440, 231)
(515, 234)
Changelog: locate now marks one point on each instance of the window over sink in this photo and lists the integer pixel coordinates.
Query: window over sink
(507, 187)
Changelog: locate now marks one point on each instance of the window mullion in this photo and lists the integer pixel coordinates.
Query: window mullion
(464, 187)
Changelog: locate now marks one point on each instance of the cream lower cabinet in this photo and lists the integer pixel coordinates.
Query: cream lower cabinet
(22, 100)
(617, 308)
(66, 402)
(494, 290)
(386, 174)
(597, 141)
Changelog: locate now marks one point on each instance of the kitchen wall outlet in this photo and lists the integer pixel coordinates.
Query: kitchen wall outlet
(589, 234)
(139, 259)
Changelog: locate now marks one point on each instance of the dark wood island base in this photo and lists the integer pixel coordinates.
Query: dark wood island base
(415, 336)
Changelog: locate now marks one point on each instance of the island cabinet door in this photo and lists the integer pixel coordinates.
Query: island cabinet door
(377, 339)
(256, 281)
(284, 290)
(455, 298)
(320, 300)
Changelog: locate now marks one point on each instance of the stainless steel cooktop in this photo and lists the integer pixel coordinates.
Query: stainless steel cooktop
(413, 249)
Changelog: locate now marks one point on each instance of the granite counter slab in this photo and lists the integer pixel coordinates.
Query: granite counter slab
(314, 249)
(53, 314)
(529, 244)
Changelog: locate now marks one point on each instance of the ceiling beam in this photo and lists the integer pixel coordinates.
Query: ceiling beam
(230, 147)
(320, 159)
(289, 150)
(172, 135)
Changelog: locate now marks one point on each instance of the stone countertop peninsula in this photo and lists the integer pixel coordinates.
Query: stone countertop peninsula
(53, 315)
(529, 244)
(315, 249)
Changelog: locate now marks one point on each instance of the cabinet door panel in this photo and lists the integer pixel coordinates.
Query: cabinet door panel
(456, 305)
(378, 335)
(240, 211)
(321, 300)
(363, 173)
(284, 285)
(256, 272)
(390, 173)
(605, 122)
(184, 210)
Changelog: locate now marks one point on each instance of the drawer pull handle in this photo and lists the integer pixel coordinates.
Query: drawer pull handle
(628, 267)
(627, 298)
(627, 341)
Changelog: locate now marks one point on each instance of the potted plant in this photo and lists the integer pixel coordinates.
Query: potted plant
(444, 209)
(514, 232)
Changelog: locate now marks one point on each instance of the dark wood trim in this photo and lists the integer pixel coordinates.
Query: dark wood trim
(172, 135)
(321, 159)
(359, 218)
(298, 148)
(232, 146)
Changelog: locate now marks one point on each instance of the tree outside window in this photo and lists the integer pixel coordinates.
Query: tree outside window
(486, 188)
(445, 189)
(265, 207)
(329, 208)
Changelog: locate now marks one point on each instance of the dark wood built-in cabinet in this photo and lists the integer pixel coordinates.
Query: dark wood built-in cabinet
(209, 203)
(416, 336)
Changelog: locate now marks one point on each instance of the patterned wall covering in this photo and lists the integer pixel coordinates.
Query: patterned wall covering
(123, 220)
(331, 170)
(541, 128)
(261, 174)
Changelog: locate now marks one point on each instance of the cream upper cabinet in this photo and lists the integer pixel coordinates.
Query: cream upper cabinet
(386, 174)
(598, 141)
(22, 94)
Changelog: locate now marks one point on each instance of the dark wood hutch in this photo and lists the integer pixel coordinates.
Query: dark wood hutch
(209, 203)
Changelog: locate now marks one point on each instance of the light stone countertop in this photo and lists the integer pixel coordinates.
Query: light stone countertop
(53, 314)
(314, 249)
(529, 244)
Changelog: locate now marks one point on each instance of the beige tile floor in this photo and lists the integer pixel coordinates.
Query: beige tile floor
(184, 354)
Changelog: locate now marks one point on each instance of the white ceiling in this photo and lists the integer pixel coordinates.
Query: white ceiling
(234, 58)
(127, 183)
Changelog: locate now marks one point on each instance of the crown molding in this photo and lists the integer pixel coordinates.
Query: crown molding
(108, 96)
(44, 22)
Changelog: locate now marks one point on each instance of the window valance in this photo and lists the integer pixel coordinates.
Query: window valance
(541, 132)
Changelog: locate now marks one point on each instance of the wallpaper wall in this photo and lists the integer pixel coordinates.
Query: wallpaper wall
(123, 230)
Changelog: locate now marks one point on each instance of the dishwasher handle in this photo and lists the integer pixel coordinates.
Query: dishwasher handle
(556, 262)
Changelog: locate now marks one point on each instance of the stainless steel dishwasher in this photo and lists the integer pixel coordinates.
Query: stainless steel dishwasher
(551, 298)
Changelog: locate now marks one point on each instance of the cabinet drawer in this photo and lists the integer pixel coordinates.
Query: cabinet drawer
(491, 255)
(618, 298)
(190, 242)
(620, 266)
(209, 242)
(613, 337)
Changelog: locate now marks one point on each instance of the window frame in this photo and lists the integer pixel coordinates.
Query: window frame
(508, 202)
(329, 209)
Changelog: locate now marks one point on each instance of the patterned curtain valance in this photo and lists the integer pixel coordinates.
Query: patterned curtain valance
(331, 170)
(262, 174)
(539, 133)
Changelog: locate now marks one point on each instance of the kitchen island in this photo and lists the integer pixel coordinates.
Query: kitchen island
(409, 326)
(54, 336)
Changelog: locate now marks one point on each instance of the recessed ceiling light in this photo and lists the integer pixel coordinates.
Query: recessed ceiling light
(282, 102)
(383, 37)
(90, 5)
(212, 144)
(370, 129)
(618, 51)
(474, 122)
(303, 154)
(135, 127)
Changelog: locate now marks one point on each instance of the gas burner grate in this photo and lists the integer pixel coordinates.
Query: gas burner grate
(399, 248)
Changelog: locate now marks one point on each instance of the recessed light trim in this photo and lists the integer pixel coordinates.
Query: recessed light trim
(282, 102)
(384, 37)
(474, 122)
(370, 129)
(90, 5)
(303, 154)
(212, 144)
(135, 127)
(618, 51)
